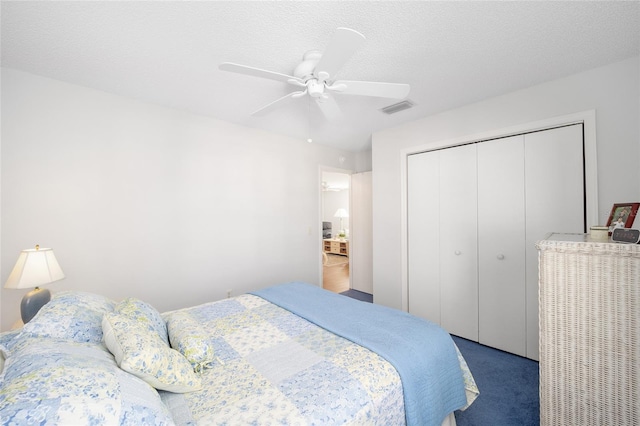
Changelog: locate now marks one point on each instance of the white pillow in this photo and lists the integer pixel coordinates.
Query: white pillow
(142, 352)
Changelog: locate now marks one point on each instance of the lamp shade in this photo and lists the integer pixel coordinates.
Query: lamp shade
(341, 213)
(34, 267)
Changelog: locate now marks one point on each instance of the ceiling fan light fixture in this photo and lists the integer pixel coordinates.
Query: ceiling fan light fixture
(315, 88)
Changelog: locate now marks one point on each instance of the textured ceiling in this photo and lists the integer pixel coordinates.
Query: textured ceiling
(451, 53)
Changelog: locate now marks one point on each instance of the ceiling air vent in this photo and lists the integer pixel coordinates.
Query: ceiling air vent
(400, 106)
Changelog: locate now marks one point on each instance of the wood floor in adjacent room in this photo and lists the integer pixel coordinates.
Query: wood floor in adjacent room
(335, 277)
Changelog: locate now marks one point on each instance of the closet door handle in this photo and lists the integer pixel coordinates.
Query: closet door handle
(457, 252)
(500, 257)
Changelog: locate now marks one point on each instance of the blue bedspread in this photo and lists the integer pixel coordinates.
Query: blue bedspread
(423, 353)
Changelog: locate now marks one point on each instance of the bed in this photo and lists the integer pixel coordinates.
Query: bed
(292, 354)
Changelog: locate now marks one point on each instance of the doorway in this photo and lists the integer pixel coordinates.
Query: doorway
(336, 247)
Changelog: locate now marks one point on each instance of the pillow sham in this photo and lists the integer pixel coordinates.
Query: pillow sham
(8, 341)
(71, 315)
(51, 381)
(144, 313)
(143, 353)
(188, 338)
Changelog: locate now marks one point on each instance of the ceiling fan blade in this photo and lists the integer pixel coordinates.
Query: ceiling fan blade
(277, 103)
(343, 44)
(329, 108)
(257, 72)
(371, 88)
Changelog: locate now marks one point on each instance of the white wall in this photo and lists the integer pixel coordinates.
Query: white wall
(363, 161)
(140, 200)
(613, 91)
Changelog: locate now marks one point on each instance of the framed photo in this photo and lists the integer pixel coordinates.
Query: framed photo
(622, 215)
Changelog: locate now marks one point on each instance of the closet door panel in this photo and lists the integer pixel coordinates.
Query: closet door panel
(458, 242)
(423, 195)
(501, 244)
(555, 181)
(554, 176)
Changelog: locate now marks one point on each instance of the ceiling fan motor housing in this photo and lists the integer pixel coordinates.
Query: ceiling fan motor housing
(304, 70)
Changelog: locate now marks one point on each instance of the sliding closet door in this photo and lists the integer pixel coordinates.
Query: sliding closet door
(501, 249)
(423, 222)
(554, 176)
(459, 242)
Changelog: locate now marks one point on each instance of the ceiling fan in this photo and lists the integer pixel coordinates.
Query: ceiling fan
(315, 76)
(327, 187)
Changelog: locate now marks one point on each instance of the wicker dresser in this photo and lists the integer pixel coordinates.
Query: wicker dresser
(589, 331)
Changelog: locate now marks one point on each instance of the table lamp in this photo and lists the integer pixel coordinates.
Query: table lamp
(341, 213)
(34, 267)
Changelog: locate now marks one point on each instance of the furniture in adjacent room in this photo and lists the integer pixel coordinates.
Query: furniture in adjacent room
(589, 331)
(474, 213)
(336, 246)
(326, 230)
(342, 214)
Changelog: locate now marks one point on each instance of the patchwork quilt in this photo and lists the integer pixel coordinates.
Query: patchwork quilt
(265, 356)
(261, 364)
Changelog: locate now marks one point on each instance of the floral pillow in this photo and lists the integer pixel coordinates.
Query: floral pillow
(144, 354)
(8, 340)
(190, 340)
(57, 382)
(73, 316)
(145, 314)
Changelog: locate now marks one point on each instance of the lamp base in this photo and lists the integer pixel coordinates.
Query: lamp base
(32, 302)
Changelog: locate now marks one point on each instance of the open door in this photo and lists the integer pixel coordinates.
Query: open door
(361, 233)
(336, 223)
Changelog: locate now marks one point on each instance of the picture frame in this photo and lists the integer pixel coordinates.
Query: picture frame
(622, 215)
